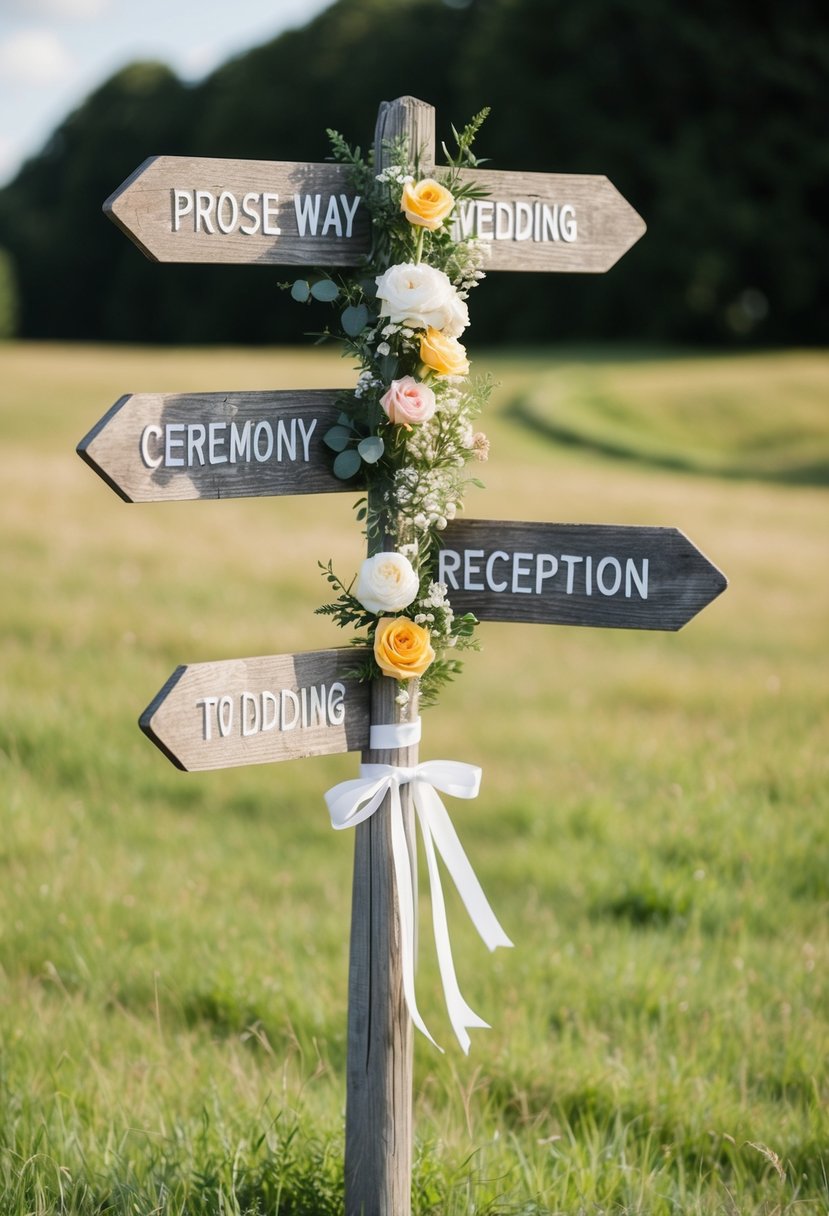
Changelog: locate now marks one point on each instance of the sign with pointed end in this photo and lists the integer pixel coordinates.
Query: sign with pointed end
(196, 209)
(256, 711)
(161, 447)
(609, 576)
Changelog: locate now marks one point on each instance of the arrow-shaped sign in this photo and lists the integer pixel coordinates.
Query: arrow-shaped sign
(191, 209)
(155, 447)
(254, 711)
(576, 574)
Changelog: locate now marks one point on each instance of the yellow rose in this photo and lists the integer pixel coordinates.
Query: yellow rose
(443, 354)
(402, 648)
(426, 203)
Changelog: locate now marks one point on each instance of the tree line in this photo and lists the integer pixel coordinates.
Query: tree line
(708, 118)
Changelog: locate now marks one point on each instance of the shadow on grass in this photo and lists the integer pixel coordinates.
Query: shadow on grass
(809, 474)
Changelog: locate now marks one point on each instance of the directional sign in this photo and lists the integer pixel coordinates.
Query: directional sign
(576, 574)
(254, 711)
(154, 447)
(184, 209)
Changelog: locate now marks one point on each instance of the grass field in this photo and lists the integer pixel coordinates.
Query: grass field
(652, 829)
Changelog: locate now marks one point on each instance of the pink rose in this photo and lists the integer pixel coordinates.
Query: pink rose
(409, 401)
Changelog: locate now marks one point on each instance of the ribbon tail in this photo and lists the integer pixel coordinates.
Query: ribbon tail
(460, 868)
(406, 909)
(461, 1015)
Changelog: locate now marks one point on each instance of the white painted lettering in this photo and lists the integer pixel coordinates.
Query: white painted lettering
(196, 434)
(307, 208)
(523, 221)
(225, 715)
(504, 222)
(289, 698)
(269, 710)
(263, 428)
(182, 205)
(498, 556)
(588, 574)
(332, 217)
(250, 714)
(205, 202)
(349, 213)
(485, 208)
(632, 575)
(250, 213)
(545, 567)
(150, 432)
(173, 441)
(318, 706)
(306, 436)
(270, 211)
(229, 225)
(215, 441)
(549, 225)
(209, 704)
(284, 441)
(472, 568)
(572, 562)
(567, 223)
(603, 565)
(449, 562)
(521, 568)
(336, 704)
(239, 442)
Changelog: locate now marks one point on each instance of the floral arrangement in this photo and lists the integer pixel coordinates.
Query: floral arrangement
(408, 426)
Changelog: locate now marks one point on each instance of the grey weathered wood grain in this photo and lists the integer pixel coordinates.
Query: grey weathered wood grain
(678, 580)
(297, 422)
(142, 207)
(605, 223)
(378, 1132)
(189, 733)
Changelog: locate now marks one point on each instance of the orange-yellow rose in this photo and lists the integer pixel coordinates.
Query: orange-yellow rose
(426, 203)
(402, 648)
(443, 354)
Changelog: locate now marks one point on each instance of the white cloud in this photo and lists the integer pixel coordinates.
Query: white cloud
(64, 10)
(34, 57)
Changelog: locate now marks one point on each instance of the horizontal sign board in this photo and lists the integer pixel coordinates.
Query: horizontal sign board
(154, 447)
(576, 574)
(255, 711)
(196, 209)
(186, 209)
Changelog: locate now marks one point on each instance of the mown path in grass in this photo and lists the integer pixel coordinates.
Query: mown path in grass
(652, 828)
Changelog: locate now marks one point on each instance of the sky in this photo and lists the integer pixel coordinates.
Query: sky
(53, 53)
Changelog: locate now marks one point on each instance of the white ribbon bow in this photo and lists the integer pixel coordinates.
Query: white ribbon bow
(352, 802)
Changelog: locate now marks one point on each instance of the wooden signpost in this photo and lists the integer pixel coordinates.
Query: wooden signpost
(152, 447)
(180, 209)
(158, 447)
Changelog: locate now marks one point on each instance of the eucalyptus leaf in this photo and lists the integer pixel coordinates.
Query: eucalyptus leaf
(388, 368)
(354, 319)
(300, 291)
(325, 290)
(371, 449)
(337, 438)
(347, 464)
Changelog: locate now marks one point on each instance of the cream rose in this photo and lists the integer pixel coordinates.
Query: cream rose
(426, 203)
(409, 401)
(386, 583)
(421, 297)
(443, 354)
(402, 649)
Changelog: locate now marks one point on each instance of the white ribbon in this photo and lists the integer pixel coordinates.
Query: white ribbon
(352, 802)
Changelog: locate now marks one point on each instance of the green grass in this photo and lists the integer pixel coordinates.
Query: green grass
(652, 828)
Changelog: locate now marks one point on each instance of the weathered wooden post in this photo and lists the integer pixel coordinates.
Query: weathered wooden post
(378, 1122)
(159, 447)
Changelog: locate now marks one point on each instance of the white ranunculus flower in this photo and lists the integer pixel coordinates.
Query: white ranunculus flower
(421, 297)
(386, 583)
